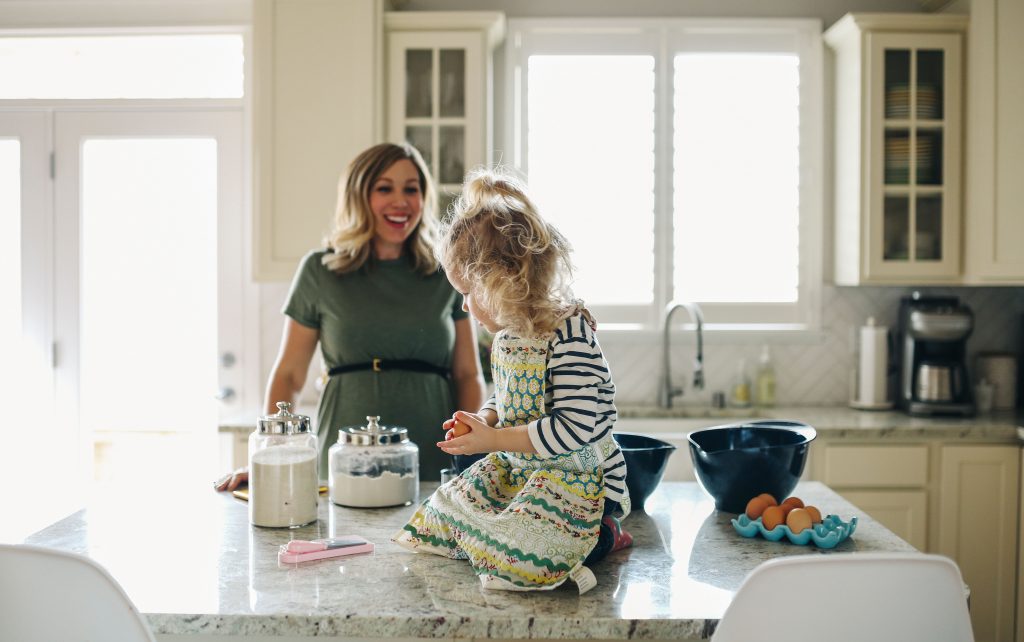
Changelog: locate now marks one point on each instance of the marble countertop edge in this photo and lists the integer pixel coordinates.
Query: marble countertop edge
(553, 627)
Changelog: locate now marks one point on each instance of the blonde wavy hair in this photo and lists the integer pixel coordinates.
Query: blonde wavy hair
(514, 261)
(351, 235)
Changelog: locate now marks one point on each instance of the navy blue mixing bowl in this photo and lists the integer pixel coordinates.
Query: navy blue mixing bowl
(737, 462)
(646, 458)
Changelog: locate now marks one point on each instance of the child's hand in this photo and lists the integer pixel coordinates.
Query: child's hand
(481, 438)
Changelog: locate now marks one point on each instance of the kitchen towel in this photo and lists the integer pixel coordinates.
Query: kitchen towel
(874, 358)
(1000, 370)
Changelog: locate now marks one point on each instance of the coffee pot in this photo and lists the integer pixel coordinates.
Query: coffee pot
(933, 334)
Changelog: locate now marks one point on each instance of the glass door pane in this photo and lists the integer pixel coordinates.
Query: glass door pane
(419, 83)
(930, 75)
(897, 157)
(897, 83)
(928, 224)
(896, 228)
(148, 335)
(453, 83)
(10, 256)
(928, 156)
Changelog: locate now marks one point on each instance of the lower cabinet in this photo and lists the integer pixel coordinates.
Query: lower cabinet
(978, 503)
(961, 501)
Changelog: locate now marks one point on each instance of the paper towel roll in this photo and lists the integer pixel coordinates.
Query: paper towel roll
(874, 359)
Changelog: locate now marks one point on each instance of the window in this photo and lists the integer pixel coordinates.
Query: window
(682, 158)
(122, 66)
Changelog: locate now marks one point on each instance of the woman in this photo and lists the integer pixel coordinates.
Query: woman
(376, 295)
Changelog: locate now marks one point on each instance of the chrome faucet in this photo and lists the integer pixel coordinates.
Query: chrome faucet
(666, 391)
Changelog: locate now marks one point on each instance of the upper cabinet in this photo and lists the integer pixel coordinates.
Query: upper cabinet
(317, 103)
(898, 124)
(439, 89)
(995, 143)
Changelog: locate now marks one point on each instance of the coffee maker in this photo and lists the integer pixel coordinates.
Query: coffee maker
(932, 339)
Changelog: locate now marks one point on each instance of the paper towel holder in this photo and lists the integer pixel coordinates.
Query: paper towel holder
(872, 369)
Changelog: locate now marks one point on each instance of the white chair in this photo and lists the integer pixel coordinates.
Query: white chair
(46, 594)
(843, 597)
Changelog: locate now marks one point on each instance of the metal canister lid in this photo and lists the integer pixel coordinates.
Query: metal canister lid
(283, 422)
(372, 434)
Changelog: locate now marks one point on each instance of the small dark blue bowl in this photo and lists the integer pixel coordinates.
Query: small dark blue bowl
(737, 462)
(646, 458)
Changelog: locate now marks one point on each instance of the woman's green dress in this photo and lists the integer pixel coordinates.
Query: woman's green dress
(387, 311)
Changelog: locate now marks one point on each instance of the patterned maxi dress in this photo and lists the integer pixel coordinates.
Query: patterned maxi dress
(523, 522)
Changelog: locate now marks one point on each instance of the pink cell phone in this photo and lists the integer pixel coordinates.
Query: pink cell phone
(299, 550)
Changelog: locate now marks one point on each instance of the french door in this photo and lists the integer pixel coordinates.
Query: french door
(131, 293)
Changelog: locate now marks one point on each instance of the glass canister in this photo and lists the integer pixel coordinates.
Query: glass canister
(283, 479)
(373, 466)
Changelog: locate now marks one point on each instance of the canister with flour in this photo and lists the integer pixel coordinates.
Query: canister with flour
(373, 466)
(283, 479)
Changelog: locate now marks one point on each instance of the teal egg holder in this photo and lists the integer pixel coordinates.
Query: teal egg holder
(828, 534)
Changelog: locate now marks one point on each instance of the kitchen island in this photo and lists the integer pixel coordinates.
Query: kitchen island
(195, 567)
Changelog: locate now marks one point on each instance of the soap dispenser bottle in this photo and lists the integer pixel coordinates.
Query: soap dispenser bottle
(764, 383)
(740, 397)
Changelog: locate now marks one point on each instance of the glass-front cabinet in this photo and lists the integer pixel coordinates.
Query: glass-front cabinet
(898, 181)
(439, 82)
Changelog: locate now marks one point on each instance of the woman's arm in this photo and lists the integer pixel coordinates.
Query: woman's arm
(288, 376)
(298, 344)
(466, 376)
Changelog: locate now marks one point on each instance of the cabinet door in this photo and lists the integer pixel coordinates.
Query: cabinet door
(979, 495)
(995, 143)
(913, 147)
(903, 512)
(437, 101)
(315, 107)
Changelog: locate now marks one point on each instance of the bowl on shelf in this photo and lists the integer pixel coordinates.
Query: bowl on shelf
(646, 458)
(736, 462)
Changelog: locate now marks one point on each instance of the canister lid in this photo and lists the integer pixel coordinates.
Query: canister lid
(372, 434)
(283, 422)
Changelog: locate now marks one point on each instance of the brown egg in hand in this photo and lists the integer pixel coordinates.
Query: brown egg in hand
(460, 429)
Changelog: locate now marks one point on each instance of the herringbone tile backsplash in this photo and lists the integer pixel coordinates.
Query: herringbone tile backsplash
(812, 369)
(815, 369)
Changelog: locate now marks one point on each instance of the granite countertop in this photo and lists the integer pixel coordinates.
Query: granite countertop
(193, 565)
(829, 421)
(844, 422)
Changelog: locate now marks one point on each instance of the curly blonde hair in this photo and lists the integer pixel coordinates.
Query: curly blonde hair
(351, 235)
(514, 261)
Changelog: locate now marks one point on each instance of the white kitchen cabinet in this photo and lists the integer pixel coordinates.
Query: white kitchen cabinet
(898, 124)
(994, 195)
(317, 102)
(978, 513)
(439, 89)
(889, 483)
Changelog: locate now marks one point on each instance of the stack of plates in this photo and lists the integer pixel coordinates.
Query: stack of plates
(927, 101)
(897, 158)
(897, 101)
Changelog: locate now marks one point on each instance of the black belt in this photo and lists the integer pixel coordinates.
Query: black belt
(380, 365)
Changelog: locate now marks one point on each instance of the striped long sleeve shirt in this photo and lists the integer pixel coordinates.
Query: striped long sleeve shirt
(579, 400)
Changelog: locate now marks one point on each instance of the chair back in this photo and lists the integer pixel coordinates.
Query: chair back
(46, 594)
(843, 597)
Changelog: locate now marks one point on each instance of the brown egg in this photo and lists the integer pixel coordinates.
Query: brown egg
(460, 429)
(755, 507)
(769, 498)
(814, 513)
(795, 501)
(772, 517)
(798, 519)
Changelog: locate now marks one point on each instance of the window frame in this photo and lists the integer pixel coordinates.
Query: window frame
(663, 39)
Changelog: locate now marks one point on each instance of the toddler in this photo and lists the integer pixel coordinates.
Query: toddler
(539, 505)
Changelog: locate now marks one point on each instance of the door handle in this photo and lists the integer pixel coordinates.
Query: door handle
(225, 393)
